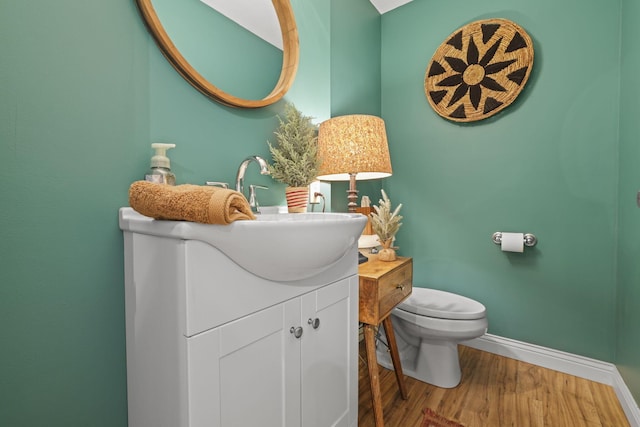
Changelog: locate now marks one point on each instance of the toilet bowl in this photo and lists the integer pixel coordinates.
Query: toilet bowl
(428, 327)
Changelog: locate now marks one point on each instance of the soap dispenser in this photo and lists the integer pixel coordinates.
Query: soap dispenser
(160, 171)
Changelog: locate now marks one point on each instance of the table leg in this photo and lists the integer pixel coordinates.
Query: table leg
(395, 357)
(374, 380)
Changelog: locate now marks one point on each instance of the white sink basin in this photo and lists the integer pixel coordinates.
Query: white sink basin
(279, 247)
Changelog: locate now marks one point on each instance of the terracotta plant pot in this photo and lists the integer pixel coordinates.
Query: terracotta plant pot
(387, 253)
(297, 198)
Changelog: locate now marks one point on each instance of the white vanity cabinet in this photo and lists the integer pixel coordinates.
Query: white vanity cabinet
(210, 344)
(258, 371)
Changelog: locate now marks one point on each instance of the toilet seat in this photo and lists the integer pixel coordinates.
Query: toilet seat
(442, 305)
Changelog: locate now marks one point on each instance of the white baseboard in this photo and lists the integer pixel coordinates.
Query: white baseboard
(579, 366)
(626, 400)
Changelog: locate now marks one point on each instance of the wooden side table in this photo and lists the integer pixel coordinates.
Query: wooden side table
(383, 285)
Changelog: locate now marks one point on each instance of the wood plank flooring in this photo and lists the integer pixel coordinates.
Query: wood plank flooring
(495, 392)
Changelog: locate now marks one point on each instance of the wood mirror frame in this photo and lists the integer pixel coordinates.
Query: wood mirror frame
(290, 57)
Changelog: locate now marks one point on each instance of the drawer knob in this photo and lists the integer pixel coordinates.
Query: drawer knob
(400, 286)
(297, 332)
(315, 323)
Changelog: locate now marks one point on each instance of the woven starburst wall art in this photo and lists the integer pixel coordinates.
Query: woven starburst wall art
(479, 70)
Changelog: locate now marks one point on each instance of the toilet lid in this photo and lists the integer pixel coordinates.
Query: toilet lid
(443, 305)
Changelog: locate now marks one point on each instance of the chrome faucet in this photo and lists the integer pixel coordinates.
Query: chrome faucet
(264, 170)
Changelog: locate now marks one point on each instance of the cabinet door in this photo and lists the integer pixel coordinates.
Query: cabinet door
(247, 372)
(329, 355)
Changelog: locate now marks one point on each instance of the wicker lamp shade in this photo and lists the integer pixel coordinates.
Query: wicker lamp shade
(353, 144)
(479, 70)
(353, 147)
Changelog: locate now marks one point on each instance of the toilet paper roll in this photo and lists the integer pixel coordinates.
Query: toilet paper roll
(512, 242)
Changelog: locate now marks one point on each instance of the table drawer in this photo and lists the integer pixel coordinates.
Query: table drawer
(394, 288)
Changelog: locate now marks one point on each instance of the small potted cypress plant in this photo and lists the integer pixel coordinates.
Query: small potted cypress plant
(295, 157)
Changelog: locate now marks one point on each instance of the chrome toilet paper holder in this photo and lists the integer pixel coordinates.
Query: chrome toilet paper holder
(529, 239)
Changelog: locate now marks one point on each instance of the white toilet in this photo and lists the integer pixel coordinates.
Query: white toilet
(428, 327)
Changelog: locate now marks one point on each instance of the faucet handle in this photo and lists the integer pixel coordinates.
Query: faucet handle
(217, 184)
(253, 200)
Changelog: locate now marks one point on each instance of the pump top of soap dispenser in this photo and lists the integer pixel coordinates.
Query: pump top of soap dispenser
(160, 171)
(160, 159)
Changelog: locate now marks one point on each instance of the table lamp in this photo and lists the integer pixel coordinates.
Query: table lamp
(353, 147)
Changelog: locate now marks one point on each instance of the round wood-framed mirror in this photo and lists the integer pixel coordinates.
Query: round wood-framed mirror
(290, 57)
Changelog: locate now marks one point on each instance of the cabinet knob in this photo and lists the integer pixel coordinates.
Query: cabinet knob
(315, 323)
(400, 286)
(297, 332)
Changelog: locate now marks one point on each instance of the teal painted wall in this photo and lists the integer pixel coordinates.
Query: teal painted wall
(546, 165)
(84, 91)
(73, 135)
(628, 348)
(355, 58)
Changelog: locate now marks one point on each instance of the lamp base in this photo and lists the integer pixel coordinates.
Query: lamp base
(352, 193)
